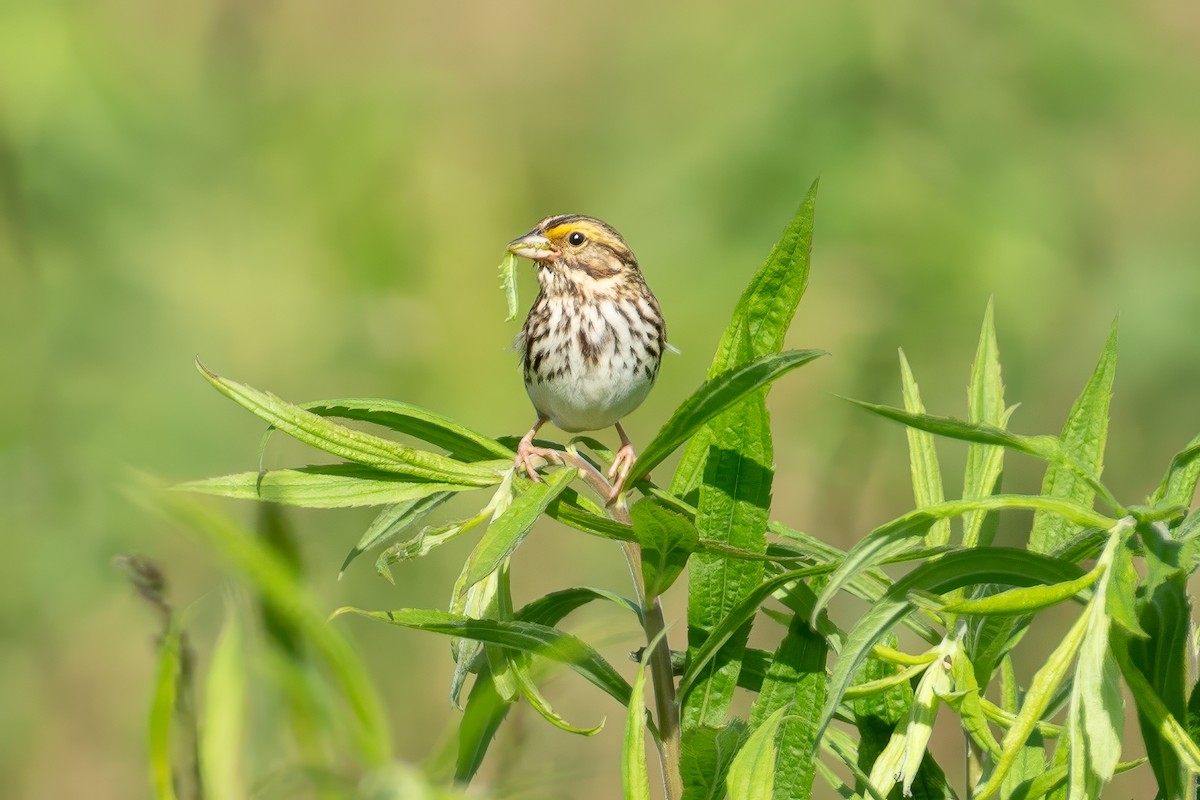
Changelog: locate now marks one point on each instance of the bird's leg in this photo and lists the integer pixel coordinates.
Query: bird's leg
(527, 451)
(621, 464)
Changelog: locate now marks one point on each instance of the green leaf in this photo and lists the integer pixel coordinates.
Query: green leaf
(1178, 486)
(574, 511)
(1045, 681)
(1015, 602)
(391, 522)
(635, 776)
(985, 404)
(764, 312)
(550, 608)
(752, 773)
(1162, 657)
(1030, 764)
(714, 396)
(1096, 715)
(707, 754)
(287, 597)
(325, 486)
(484, 711)
(425, 541)
(923, 460)
(507, 531)
(955, 570)
(352, 445)
(666, 539)
(1050, 779)
(1083, 438)
(541, 705)
(732, 508)
(1046, 448)
(426, 425)
(907, 533)
(162, 713)
(222, 740)
(508, 284)
(729, 625)
(528, 637)
(795, 683)
(1158, 717)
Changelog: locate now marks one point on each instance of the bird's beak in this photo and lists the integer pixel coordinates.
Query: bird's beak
(533, 245)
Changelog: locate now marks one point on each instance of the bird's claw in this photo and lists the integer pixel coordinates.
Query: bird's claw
(619, 470)
(526, 452)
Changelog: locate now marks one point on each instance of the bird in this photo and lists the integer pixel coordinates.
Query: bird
(593, 341)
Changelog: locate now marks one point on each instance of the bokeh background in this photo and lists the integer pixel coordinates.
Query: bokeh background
(313, 197)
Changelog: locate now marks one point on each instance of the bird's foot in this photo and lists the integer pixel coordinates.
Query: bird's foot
(527, 452)
(621, 464)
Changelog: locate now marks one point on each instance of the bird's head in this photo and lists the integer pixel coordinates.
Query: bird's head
(573, 242)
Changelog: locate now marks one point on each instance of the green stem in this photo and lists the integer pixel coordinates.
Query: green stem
(662, 677)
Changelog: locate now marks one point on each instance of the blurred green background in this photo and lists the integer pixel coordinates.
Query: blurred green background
(313, 197)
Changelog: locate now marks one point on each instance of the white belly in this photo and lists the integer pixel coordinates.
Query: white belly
(590, 399)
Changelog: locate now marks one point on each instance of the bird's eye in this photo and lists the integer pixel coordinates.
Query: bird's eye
(576, 239)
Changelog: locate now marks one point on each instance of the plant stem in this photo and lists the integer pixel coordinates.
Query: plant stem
(662, 677)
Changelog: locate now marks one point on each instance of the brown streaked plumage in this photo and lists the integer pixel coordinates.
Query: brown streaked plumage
(594, 338)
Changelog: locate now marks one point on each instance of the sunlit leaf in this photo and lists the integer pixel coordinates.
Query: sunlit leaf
(923, 459)
(538, 640)
(713, 397)
(507, 531)
(352, 445)
(421, 423)
(1083, 438)
(764, 311)
(635, 776)
(508, 284)
(666, 539)
(752, 773)
(325, 486)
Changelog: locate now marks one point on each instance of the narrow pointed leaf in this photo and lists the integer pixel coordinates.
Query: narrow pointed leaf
(635, 776)
(352, 445)
(731, 508)
(507, 531)
(985, 405)
(533, 695)
(426, 425)
(752, 773)
(1158, 716)
(713, 397)
(326, 486)
(907, 533)
(484, 711)
(1046, 448)
(764, 312)
(1083, 438)
(528, 637)
(1178, 486)
(391, 522)
(795, 682)
(1015, 602)
(923, 460)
